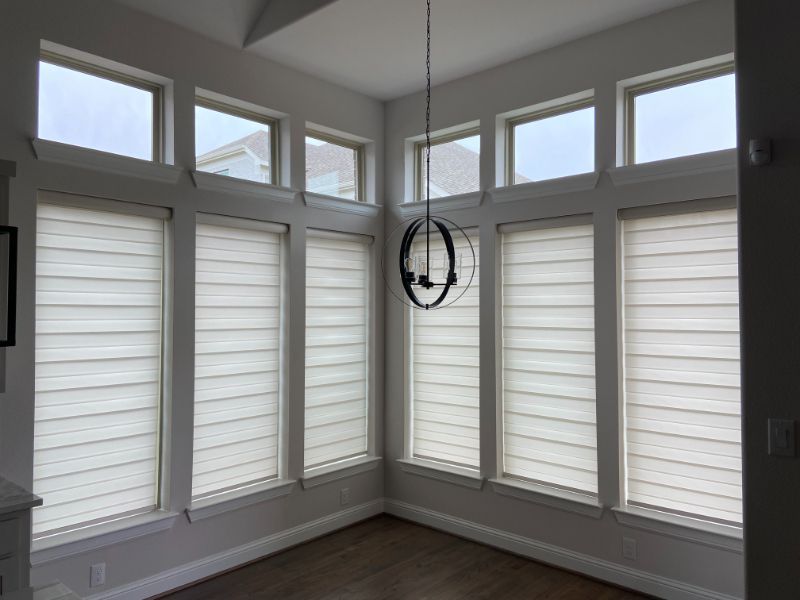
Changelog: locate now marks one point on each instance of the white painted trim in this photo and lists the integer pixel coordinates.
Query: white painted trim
(725, 537)
(457, 202)
(617, 574)
(234, 185)
(116, 164)
(351, 207)
(548, 496)
(698, 164)
(62, 545)
(442, 472)
(340, 470)
(548, 187)
(8, 168)
(223, 561)
(236, 499)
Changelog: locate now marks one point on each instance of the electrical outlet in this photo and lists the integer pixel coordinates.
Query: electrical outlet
(344, 496)
(629, 548)
(97, 575)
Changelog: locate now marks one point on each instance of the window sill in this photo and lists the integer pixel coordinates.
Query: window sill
(715, 535)
(236, 499)
(340, 470)
(441, 472)
(67, 544)
(548, 187)
(342, 205)
(85, 158)
(233, 185)
(698, 164)
(548, 496)
(459, 201)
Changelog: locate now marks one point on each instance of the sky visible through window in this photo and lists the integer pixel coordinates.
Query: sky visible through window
(85, 110)
(214, 129)
(686, 119)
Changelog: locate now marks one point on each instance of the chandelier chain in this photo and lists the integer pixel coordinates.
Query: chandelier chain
(428, 143)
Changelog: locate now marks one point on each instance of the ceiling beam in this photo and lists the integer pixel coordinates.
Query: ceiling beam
(279, 14)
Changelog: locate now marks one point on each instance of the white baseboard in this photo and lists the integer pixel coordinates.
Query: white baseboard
(212, 565)
(620, 575)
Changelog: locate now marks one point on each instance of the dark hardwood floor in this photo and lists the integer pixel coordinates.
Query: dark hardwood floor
(387, 558)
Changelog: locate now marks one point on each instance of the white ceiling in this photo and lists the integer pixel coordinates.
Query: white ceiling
(378, 46)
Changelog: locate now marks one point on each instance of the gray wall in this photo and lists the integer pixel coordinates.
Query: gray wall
(113, 32)
(695, 32)
(768, 67)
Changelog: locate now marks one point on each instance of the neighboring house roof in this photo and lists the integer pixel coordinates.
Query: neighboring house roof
(328, 158)
(257, 142)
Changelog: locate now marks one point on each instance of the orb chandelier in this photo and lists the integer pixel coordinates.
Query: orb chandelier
(423, 274)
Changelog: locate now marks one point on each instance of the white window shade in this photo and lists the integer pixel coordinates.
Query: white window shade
(98, 365)
(337, 313)
(549, 397)
(681, 352)
(237, 356)
(445, 380)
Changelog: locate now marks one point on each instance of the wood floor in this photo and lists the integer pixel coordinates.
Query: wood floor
(386, 558)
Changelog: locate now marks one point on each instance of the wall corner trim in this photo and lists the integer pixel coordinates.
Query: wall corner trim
(233, 185)
(223, 561)
(342, 205)
(552, 497)
(457, 202)
(617, 574)
(340, 470)
(86, 158)
(698, 164)
(441, 472)
(548, 187)
(217, 505)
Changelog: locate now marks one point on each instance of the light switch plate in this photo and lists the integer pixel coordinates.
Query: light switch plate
(781, 437)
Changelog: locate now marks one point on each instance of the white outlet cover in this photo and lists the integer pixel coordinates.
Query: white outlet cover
(344, 496)
(629, 548)
(97, 575)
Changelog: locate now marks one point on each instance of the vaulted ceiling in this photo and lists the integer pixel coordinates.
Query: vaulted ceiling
(378, 46)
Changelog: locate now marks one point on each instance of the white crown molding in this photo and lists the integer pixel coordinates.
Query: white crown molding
(547, 496)
(440, 472)
(341, 470)
(457, 202)
(99, 536)
(614, 573)
(234, 185)
(693, 530)
(548, 187)
(223, 503)
(229, 559)
(698, 164)
(8, 168)
(342, 205)
(106, 162)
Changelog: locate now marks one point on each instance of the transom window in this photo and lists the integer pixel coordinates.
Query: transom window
(84, 105)
(552, 143)
(234, 142)
(334, 167)
(681, 116)
(455, 165)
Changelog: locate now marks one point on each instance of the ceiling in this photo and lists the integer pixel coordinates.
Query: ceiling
(377, 47)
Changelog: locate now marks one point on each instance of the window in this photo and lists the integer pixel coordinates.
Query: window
(455, 165)
(681, 361)
(337, 328)
(682, 116)
(238, 290)
(334, 167)
(445, 392)
(234, 142)
(549, 424)
(87, 106)
(99, 281)
(552, 143)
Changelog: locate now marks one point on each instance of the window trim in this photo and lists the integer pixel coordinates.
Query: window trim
(357, 147)
(419, 149)
(250, 115)
(539, 115)
(658, 84)
(88, 68)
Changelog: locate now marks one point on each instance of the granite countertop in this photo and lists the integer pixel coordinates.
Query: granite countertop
(14, 498)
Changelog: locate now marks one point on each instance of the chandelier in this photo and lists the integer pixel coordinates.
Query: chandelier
(427, 278)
